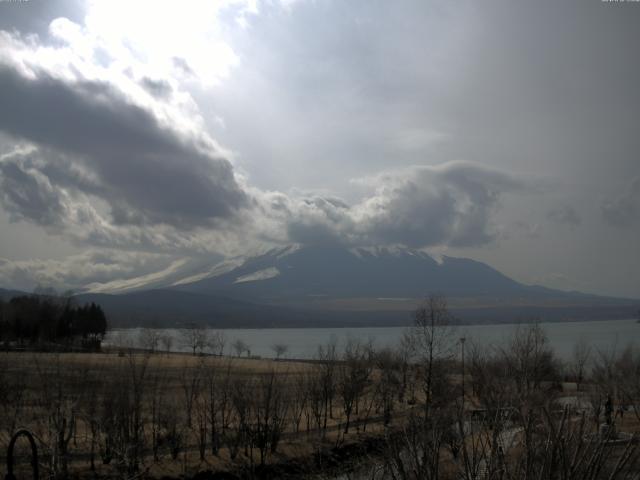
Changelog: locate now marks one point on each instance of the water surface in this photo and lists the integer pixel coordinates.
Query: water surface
(303, 342)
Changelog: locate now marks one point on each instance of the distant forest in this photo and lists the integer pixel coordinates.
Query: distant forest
(45, 321)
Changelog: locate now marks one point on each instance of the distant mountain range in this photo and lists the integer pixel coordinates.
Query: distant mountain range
(333, 286)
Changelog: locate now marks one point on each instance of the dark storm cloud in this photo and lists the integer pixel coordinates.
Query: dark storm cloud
(150, 171)
(28, 195)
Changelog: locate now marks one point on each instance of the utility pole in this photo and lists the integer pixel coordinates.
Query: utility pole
(462, 340)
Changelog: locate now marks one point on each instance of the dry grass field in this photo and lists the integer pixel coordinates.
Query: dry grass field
(132, 414)
(123, 414)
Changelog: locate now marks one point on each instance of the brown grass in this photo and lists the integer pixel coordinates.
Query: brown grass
(76, 375)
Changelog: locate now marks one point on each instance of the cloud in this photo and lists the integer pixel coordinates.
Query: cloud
(148, 153)
(623, 211)
(448, 204)
(426, 206)
(566, 215)
(76, 272)
(27, 194)
(319, 220)
(66, 201)
(116, 154)
(125, 161)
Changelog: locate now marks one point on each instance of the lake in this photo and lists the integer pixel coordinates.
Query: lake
(303, 342)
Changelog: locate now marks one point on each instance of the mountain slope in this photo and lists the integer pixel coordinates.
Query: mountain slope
(170, 308)
(332, 286)
(293, 275)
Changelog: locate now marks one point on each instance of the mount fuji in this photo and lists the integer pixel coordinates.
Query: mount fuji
(297, 286)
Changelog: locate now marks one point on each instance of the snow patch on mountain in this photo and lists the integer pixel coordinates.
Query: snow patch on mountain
(218, 269)
(288, 250)
(137, 283)
(265, 274)
(393, 251)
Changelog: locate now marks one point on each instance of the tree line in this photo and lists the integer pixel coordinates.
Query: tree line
(43, 320)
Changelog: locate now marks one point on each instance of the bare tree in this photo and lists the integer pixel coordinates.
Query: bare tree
(403, 353)
(353, 377)
(316, 400)
(389, 365)
(517, 432)
(132, 420)
(121, 413)
(327, 358)
(202, 409)
(239, 346)
(217, 341)
(195, 338)
(89, 415)
(167, 342)
(417, 451)
(541, 443)
(268, 413)
(605, 381)
(579, 359)
(190, 383)
(627, 379)
(531, 360)
(217, 385)
(173, 432)
(157, 403)
(279, 349)
(149, 339)
(241, 391)
(62, 406)
(432, 340)
(299, 400)
(13, 390)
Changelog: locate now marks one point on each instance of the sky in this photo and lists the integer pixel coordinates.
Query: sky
(149, 140)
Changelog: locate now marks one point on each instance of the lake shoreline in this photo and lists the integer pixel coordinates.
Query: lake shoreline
(303, 343)
(407, 325)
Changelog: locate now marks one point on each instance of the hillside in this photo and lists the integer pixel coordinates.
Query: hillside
(334, 286)
(335, 277)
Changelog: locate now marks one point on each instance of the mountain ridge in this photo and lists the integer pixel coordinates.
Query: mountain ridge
(297, 286)
(296, 274)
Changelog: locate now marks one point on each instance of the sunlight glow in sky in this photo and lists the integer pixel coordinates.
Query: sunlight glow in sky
(157, 138)
(157, 32)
